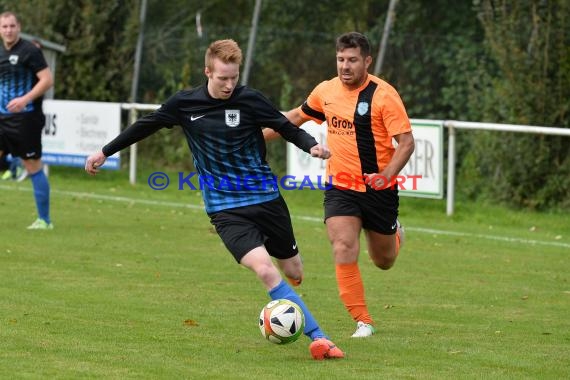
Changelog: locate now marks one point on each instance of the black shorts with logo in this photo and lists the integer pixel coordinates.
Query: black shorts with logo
(21, 134)
(378, 209)
(245, 228)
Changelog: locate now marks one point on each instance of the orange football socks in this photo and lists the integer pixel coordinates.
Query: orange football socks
(351, 291)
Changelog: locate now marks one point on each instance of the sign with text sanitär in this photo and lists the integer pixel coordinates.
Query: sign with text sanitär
(421, 177)
(76, 129)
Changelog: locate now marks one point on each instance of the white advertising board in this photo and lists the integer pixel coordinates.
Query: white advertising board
(76, 129)
(421, 177)
(427, 160)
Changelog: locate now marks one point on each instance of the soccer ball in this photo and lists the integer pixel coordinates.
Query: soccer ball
(281, 321)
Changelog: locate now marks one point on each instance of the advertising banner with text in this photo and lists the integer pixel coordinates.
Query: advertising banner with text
(421, 177)
(76, 129)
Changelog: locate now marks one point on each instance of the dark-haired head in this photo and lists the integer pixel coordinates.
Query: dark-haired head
(353, 40)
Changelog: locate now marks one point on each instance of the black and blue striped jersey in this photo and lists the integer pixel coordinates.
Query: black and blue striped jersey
(18, 69)
(226, 140)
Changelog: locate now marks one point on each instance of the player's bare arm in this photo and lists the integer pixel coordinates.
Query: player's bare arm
(404, 150)
(295, 116)
(270, 134)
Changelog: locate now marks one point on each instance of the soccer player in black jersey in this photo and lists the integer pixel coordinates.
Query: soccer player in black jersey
(223, 124)
(24, 79)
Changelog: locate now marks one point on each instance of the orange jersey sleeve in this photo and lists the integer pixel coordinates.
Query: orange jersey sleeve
(360, 125)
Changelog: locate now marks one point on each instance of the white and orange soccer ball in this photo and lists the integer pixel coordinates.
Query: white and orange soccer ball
(281, 321)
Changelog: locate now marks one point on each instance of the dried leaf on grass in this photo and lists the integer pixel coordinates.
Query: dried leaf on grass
(190, 323)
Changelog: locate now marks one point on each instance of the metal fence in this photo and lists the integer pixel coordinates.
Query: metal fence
(452, 125)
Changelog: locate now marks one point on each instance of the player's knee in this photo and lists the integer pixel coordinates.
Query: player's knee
(384, 262)
(292, 268)
(295, 273)
(267, 273)
(342, 246)
(345, 253)
(32, 166)
(384, 265)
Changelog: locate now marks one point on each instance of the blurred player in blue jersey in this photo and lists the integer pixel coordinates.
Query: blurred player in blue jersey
(223, 124)
(24, 79)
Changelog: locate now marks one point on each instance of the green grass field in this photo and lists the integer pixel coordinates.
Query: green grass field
(134, 284)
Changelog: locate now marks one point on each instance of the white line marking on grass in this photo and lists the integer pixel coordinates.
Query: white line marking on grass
(465, 234)
(300, 217)
(489, 237)
(130, 200)
(113, 198)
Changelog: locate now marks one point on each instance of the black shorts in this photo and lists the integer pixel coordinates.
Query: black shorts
(378, 209)
(245, 228)
(21, 134)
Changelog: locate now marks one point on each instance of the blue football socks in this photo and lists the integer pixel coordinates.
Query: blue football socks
(41, 194)
(283, 290)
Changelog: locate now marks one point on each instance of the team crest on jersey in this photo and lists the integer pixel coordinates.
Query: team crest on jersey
(232, 118)
(362, 108)
(13, 59)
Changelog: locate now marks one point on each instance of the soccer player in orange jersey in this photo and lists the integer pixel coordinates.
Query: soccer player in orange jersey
(363, 115)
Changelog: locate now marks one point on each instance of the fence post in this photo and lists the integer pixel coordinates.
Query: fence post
(450, 170)
(133, 151)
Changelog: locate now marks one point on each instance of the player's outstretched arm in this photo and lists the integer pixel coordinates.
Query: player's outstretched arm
(94, 161)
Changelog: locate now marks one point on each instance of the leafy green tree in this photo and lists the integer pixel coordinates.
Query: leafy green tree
(99, 37)
(504, 61)
(525, 80)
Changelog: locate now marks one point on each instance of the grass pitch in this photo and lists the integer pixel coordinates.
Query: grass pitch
(134, 284)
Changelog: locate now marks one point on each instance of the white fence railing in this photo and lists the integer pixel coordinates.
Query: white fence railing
(133, 109)
(451, 125)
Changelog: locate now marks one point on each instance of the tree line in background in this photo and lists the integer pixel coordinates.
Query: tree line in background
(503, 61)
